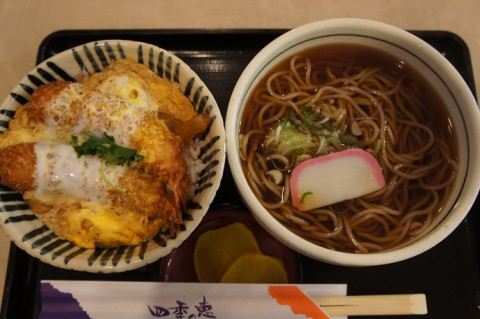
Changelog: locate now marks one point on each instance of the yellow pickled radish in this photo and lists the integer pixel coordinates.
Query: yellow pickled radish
(256, 268)
(217, 249)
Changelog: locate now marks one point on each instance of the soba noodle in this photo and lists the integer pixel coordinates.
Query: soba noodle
(338, 102)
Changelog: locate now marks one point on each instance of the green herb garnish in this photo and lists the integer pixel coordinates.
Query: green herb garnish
(106, 147)
(305, 195)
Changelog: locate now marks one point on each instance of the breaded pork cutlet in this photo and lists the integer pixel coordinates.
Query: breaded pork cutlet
(138, 198)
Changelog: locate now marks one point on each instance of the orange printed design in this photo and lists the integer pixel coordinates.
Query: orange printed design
(300, 303)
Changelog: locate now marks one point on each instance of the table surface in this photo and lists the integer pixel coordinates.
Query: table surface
(25, 24)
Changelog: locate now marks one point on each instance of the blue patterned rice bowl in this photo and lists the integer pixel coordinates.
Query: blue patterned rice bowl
(207, 157)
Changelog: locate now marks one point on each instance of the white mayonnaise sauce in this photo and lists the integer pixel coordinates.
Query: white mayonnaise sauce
(59, 171)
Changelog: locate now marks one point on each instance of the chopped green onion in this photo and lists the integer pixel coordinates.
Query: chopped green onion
(305, 195)
(109, 183)
(284, 121)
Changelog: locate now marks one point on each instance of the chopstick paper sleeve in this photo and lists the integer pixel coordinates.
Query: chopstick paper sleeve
(106, 299)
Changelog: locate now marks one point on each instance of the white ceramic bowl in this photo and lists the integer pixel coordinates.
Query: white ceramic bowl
(31, 235)
(462, 109)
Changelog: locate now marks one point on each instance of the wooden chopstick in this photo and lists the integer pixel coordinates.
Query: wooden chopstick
(373, 305)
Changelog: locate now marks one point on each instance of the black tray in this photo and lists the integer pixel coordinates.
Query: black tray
(448, 274)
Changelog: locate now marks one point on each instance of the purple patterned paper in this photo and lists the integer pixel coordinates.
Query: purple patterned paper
(59, 305)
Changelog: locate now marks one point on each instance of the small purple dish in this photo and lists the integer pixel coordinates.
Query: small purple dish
(178, 265)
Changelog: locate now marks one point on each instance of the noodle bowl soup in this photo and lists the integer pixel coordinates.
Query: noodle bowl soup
(348, 84)
(338, 97)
